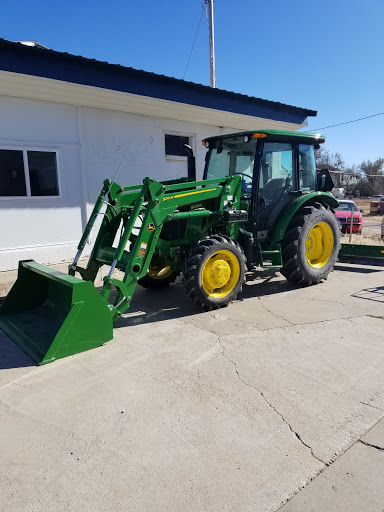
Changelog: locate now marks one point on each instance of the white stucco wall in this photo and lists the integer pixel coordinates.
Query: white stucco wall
(91, 144)
(108, 136)
(45, 229)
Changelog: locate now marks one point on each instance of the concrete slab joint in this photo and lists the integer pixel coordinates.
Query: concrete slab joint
(380, 448)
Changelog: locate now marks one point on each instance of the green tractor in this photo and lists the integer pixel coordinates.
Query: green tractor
(260, 203)
(282, 219)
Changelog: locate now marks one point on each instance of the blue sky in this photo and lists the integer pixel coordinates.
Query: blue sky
(326, 56)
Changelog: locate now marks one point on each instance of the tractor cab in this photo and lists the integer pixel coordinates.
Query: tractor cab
(275, 168)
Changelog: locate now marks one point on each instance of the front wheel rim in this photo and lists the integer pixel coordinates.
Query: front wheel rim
(319, 245)
(220, 274)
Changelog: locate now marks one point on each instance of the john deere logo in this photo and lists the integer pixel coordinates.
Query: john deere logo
(150, 226)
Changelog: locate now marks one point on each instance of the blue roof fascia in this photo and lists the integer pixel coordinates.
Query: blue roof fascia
(18, 58)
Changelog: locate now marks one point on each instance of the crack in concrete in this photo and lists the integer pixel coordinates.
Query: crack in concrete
(266, 329)
(373, 406)
(273, 314)
(297, 435)
(169, 316)
(380, 448)
(340, 303)
(380, 317)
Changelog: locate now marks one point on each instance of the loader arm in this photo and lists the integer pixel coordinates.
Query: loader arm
(152, 204)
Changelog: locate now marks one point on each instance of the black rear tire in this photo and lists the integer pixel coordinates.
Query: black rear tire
(310, 245)
(214, 272)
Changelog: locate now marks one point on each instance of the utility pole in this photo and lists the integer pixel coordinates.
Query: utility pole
(211, 44)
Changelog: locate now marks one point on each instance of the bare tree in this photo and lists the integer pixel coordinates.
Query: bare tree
(374, 173)
(332, 161)
(327, 160)
(371, 173)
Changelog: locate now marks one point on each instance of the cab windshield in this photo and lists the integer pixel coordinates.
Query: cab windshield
(232, 156)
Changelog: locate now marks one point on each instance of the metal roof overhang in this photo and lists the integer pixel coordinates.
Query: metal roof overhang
(44, 89)
(40, 74)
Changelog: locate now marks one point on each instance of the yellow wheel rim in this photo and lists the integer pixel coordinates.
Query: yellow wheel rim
(159, 272)
(319, 245)
(220, 274)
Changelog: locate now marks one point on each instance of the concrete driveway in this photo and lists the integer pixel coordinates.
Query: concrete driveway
(232, 410)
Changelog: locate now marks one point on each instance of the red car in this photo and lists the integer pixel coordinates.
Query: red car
(344, 212)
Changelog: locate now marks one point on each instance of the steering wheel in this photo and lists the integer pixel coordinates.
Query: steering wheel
(246, 194)
(244, 174)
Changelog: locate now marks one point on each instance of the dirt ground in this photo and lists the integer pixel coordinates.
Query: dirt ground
(371, 228)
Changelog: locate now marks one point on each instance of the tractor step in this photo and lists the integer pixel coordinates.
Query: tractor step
(274, 256)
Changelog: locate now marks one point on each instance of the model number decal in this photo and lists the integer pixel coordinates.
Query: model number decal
(176, 196)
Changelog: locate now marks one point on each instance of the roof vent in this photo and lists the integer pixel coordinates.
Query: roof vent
(33, 43)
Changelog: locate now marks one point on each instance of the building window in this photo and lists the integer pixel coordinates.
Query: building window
(174, 145)
(12, 175)
(28, 173)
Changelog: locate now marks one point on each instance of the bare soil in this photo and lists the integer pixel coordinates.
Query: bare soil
(371, 227)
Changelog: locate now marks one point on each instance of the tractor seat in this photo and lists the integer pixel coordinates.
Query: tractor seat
(273, 190)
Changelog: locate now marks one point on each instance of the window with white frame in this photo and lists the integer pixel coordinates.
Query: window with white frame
(27, 173)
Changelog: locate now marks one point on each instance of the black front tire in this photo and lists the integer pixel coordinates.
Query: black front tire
(298, 267)
(226, 263)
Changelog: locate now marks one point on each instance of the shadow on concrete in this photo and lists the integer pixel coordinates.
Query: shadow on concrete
(172, 303)
(375, 294)
(357, 268)
(11, 355)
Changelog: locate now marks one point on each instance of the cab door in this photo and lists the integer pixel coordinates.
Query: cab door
(235, 156)
(277, 178)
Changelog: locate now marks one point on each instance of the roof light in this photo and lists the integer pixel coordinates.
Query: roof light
(259, 135)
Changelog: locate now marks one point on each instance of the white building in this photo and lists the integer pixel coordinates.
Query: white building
(345, 179)
(68, 122)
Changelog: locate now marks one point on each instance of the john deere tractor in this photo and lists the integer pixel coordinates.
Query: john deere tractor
(260, 203)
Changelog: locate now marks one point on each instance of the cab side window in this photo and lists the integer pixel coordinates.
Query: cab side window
(243, 166)
(307, 168)
(277, 170)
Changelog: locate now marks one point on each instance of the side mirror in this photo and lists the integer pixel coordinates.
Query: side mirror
(324, 180)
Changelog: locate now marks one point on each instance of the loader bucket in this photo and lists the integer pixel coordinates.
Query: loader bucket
(52, 315)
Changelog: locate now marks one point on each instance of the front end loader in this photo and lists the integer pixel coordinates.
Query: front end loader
(260, 203)
(52, 315)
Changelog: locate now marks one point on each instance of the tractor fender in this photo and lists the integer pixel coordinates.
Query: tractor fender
(287, 214)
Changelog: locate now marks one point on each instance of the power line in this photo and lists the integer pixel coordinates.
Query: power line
(194, 40)
(347, 122)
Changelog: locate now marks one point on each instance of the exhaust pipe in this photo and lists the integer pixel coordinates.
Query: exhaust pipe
(191, 163)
